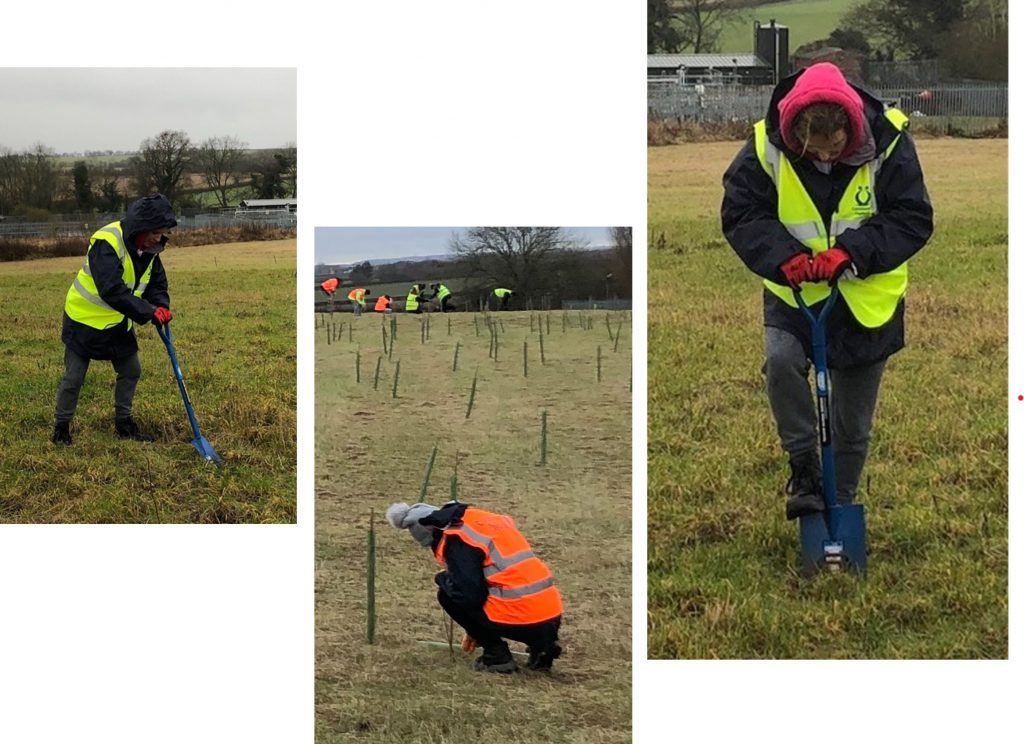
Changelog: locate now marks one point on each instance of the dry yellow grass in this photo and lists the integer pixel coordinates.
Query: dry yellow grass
(372, 450)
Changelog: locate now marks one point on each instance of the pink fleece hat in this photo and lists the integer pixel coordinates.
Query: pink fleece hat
(823, 82)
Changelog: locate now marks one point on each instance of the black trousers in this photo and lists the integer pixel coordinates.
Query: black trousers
(488, 634)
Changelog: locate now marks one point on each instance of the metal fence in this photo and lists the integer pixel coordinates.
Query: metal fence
(950, 107)
(64, 227)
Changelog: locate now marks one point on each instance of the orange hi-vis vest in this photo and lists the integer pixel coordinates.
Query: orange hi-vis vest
(383, 303)
(329, 286)
(356, 295)
(520, 589)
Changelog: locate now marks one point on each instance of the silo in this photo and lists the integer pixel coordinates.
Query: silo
(771, 43)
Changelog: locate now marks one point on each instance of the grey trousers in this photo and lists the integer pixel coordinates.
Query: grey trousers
(128, 371)
(853, 393)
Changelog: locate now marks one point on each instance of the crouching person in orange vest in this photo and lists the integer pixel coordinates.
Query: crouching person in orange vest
(492, 583)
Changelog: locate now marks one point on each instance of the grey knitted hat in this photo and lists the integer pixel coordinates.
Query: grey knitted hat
(403, 516)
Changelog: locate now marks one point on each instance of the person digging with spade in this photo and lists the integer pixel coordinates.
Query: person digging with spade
(122, 283)
(828, 192)
(492, 584)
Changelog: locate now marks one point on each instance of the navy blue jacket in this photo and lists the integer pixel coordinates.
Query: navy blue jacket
(463, 578)
(900, 229)
(144, 215)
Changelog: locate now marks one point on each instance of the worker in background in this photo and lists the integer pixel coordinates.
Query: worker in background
(412, 300)
(357, 298)
(121, 283)
(443, 295)
(828, 192)
(503, 296)
(492, 584)
(383, 304)
(330, 286)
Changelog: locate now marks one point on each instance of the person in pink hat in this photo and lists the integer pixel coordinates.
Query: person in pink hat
(828, 192)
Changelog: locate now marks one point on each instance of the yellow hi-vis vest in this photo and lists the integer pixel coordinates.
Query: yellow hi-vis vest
(443, 292)
(872, 300)
(83, 302)
(412, 301)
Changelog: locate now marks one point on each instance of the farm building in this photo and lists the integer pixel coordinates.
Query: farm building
(691, 69)
(767, 65)
(265, 206)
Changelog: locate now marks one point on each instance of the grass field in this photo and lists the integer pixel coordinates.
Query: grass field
(234, 332)
(372, 449)
(808, 20)
(722, 559)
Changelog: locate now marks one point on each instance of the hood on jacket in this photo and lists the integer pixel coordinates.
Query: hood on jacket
(450, 512)
(877, 132)
(153, 212)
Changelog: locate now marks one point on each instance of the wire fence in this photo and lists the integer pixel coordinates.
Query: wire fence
(85, 225)
(952, 108)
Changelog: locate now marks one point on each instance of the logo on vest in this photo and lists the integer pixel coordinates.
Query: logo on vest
(863, 198)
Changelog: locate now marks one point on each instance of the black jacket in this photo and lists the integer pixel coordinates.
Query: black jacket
(463, 578)
(900, 229)
(144, 215)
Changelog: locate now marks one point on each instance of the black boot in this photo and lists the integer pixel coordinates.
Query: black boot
(496, 659)
(804, 486)
(128, 429)
(62, 433)
(542, 659)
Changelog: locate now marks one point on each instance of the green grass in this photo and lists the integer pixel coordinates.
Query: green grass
(722, 559)
(372, 450)
(234, 332)
(808, 20)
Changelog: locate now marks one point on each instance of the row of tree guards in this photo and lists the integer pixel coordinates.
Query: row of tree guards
(335, 331)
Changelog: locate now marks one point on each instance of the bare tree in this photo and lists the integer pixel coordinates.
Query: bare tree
(622, 239)
(512, 256)
(10, 170)
(28, 179)
(275, 177)
(161, 164)
(219, 159)
(701, 22)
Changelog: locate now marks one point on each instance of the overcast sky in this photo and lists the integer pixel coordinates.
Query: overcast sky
(342, 245)
(78, 109)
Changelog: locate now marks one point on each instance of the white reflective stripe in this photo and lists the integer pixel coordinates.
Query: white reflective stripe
(772, 155)
(501, 563)
(85, 267)
(803, 230)
(141, 288)
(838, 227)
(522, 591)
(476, 536)
(90, 297)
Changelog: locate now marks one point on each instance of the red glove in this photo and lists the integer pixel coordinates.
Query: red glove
(162, 315)
(468, 644)
(797, 269)
(829, 265)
